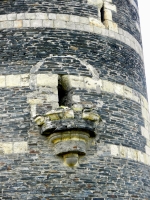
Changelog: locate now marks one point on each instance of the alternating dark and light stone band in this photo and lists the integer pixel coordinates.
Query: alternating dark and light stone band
(72, 22)
(41, 80)
(112, 150)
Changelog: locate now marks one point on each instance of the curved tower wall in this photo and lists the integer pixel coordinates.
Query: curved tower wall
(81, 55)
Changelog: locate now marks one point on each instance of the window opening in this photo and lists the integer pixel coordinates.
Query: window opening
(62, 94)
(102, 14)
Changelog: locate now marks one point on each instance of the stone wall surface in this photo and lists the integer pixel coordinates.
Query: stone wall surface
(69, 77)
(126, 16)
(123, 65)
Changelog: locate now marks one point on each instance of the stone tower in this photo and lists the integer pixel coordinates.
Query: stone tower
(74, 119)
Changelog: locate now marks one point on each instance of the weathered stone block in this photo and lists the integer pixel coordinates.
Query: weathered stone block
(12, 16)
(6, 24)
(35, 101)
(97, 30)
(119, 89)
(39, 120)
(52, 16)
(2, 81)
(147, 125)
(147, 149)
(24, 80)
(77, 107)
(110, 6)
(145, 114)
(145, 132)
(123, 151)
(114, 150)
(41, 16)
(148, 142)
(107, 15)
(63, 17)
(36, 23)
(30, 15)
(12, 80)
(88, 28)
(74, 18)
(108, 86)
(76, 99)
(20, 147)
(3, 17)
(140, 156)
(48, 23)
(70, 81)
(26, 23)
(91, 116)
(52, 98)
(47, 80)
(7, 148)
(20, 16)
(84, 20)
(70, 25)
(96, 22)
(18, 24)
(97, 3)
(128, 92)
(59, 24)
(111, 25)
(144, 102)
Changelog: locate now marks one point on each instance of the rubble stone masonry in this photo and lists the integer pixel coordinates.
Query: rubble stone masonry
(74, 116)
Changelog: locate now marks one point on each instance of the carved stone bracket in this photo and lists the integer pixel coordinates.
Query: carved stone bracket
(69, 130)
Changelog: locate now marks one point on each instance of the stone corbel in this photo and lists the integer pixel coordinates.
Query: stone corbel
(70, 130)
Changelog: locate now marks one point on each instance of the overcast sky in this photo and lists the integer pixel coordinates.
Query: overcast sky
(145, 29)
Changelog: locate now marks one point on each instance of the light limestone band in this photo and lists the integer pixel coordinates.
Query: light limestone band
(124, 152)
(51, 81)
(13, 147)
(112, 150)
(129, 153)
(64, 21)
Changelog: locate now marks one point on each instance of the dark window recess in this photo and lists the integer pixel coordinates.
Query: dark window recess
(102, 14)
(63, 95)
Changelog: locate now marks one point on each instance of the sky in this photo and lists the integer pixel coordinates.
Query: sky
(145, 30)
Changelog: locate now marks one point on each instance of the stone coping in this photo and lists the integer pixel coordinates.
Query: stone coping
(71, 22)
